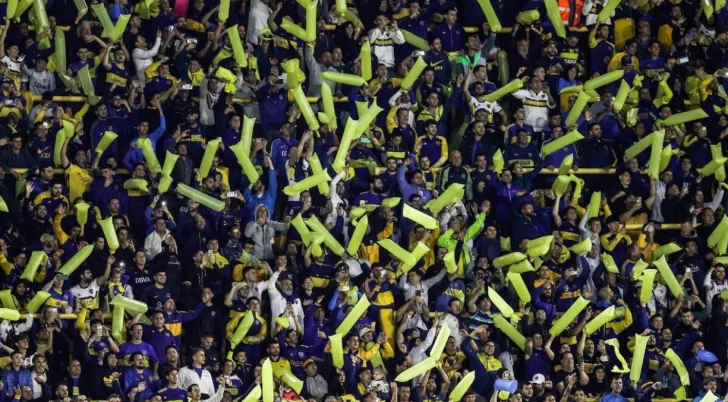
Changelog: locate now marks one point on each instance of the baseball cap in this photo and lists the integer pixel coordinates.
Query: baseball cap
(307, 362)
(627, 60)
(538, 379)
(364, 331)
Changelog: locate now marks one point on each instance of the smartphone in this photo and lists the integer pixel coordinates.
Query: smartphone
(686, 186)
(187, 87)
(365, 140)
(191, 40)
(231, 194)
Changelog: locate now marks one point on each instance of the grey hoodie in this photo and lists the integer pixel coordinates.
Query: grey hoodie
(263, 234)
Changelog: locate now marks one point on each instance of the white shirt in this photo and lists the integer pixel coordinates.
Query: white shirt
(452, 322)
(145, 58)
(536, 106)
(88, 296)
(383, 44)
(188, 376)
(278, 304)
(490, 107)
(258, 19)
(153, 244)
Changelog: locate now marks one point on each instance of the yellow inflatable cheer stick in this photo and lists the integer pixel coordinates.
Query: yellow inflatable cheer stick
(117, 324)
(223, 13)
(512, 86)
(208, 156)
(639, 267)
(420, 250)
(449, 260)
(366, 119)
(420, 217)
(105, 141)
(668, 276)
(403, 255)
(615, 344)
(316, 168)
(667, 249)
(508, 259)
(80, 5)
(512, 333)
(130, 305)
(327, 100)
(490, 15)
(498, 162)
(107, 225)
(365, 56)
(3, 205)
(413, 74)
(655, 154)
(665, 157)
(562, 142)
(307, 183)
(648, 279)
(679, 366)
(137, 184)
(552, 9)
(267, 380)
(415, 40)
(439, 345)
(523, 266)
(560, 324)
(604, 79)
(294, 382)
(12, 6)
(22, 6)
(359, 309)
(577, 108)
(594, 204)
(337, 350)
(719, 4)
(7, 299)
(505, 309)
(170, 160)
(37, 301)
(566, 164)
(582, 247)
(146, 146)
(71, 265)
(254, 395)
(87, 85)
(452, 194)
(119, 28)
(539, 243)
(305, 108)
(459, 391)
(243, 327)
(520, 286)
(391, 202)
(302, 229)
(293, 29)
(202, 198)
(716, 152)
(561, 184)
(719, 232)
(329, 239)
(607, 11)
(597, 322)
(609, 263)
(528, 17)
(10, 315)
(82, 212)
(640, 145)
(104, 19)
(36, 259)
(685, 117)
(343, 151)
(358, 236)
(621, 95)
(240, 57)
(416, 370)
(713, 166)
(638, 358)
(341, 78)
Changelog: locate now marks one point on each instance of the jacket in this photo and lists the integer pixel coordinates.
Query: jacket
(268, 198)
(12, 379)
(188, 376)
(261, 234)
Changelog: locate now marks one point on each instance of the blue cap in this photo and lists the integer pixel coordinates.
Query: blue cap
(627, 60)
(705, 356)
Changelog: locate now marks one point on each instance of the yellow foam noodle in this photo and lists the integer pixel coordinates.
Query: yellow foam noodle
(58, 148)
(439, 345)
(508, 329)
(709, 397)
(240, 57)
(528, 17)
(607, 11)
(679, 366)
(130, 305)
(328, 104)
(615, 344)
(490, 15)
(609, 263)
(359, 309)
(540, 243)
(305, 108)
(329, 239)
(403, 255)
(552, 10)
(655, 154)
(119, 28)
(37, 301)
(415, 40)
(641, 145)
(293, 29)
(459, 391)
(10, 315)
(307, 183)
(249, 169)
(504, 75)
(716, 151)
(391, 202)
(169, 161)
(416, 370)
(719, 232)
(146, 146)
(562, 322)
(337, 350)
(3, 205)
(12, 6)
(648, 279)
(223, 13)
(668, 276)
(71, 265)
(107, 225)
(343, 151)
(164, 184)
(667, 249)
(604, 79)
(351, 17)
(524, 266)
(105, 141)
(561, 184)
(243, 327)
(246, 137)
(512, 86)
(310, 24)
(60, 45)
(449, 260)
(87, 85)
(80, 6)
(553, 146)
(21, 8)
(621, 95)
(505, 309)
(566, 164)
(358, 236)
(103, 16)
(719, 4)
(267, 380)
(597, 322)
(713, 166)
(581, 101)
(452, 194)
(342, 78)
(36, 259)
(137, 184)
(6, 298)
(685, 117)
(341, 7)
(498, 162)
(365, 56)
(202, 198)
(291, 380)
(413, 74)
(639, 267)
(665, 157)
(722, 245)
(316, 168)
(254, 395)
(82, 212)
(366, 118)
(720, 260)
(420, 217)
(41, 17)
(520, 286)
(582, 247)
(356, 213)
(117, 324)
(508, 259)
(638, 358)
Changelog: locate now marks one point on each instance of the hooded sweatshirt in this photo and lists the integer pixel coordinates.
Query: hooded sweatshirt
(263, 234)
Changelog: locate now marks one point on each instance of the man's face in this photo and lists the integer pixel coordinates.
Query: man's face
(436, 45)
(139, 361)
(137, 332)
(382, 21)
(274, 350)
(452, 17)
(74, 368)
(158, 320)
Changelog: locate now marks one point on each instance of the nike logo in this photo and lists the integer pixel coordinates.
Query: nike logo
(437, 63)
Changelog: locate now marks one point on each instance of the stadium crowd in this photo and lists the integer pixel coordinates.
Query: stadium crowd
(455, 233)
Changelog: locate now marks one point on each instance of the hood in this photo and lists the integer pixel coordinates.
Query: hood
(258, 208)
